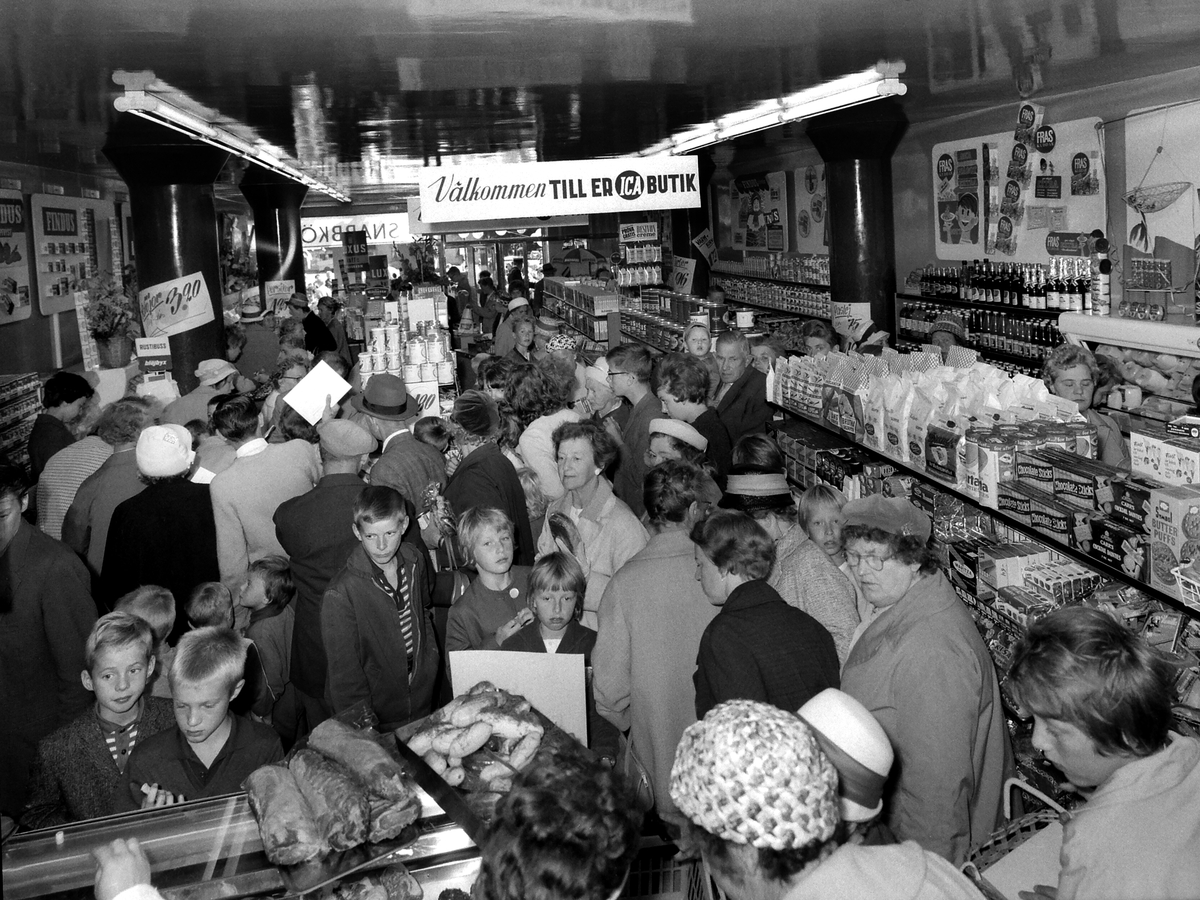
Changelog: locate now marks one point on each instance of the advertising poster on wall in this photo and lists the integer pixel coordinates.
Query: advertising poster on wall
(812, 224)
(72, 243)
(760, 212)
(1006, 196)
(15, 304)
(1162, 172)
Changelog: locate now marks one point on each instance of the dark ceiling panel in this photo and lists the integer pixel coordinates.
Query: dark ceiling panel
(364, 89)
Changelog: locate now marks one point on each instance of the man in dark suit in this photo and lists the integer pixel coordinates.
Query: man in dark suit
(317, 339)
(742, 396)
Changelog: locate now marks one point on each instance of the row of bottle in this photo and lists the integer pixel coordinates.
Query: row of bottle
(986, 329)
(803, 268)
(1070, 284)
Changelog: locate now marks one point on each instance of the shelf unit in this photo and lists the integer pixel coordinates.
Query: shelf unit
(572, 301)
(811, 307)
(1032, 534)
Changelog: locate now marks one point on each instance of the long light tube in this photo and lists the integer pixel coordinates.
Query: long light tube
(882, 80)
(137, 101)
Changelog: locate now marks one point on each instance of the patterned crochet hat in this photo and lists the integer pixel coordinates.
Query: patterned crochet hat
(561, 342)
(751, 773)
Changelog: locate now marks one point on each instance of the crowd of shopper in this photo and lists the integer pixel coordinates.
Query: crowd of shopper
(760, 657)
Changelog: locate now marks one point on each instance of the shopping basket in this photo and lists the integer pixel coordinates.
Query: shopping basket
(1005, 840)
(1189, 586)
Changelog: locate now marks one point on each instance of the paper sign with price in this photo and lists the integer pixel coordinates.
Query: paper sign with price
(176, 306)
(851, 319)
(685, 270)
(705, 244)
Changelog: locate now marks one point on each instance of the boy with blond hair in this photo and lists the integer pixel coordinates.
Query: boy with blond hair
(79, 766)
(156, 605)
(211, 751)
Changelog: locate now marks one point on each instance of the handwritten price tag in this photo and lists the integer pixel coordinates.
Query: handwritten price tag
(174, 307)
(685, 271)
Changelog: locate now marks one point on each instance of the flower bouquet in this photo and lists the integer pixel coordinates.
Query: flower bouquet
(113, 318)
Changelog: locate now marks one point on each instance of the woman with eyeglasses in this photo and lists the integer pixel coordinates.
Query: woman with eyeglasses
(923, 671)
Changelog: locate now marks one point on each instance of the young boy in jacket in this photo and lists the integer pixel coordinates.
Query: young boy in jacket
(1101, 703)
(79, 766)
(376, 621)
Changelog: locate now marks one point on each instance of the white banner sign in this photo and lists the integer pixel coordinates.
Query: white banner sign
(473, 193)
(685, 271)
(418, 226)
(638, 231)
(175, 306)
(326, 231)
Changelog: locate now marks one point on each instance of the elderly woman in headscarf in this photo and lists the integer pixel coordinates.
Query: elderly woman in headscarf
(486, 477)
(761, 799)
(803, 574)
(921, 668)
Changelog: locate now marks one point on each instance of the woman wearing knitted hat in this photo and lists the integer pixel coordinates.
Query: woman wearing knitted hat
(758, 647)
(947, 332)
(762, 800)
(803, 575)
(485, 477)
(922, 670)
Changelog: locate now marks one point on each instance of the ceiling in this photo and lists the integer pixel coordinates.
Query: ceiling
(362, 91)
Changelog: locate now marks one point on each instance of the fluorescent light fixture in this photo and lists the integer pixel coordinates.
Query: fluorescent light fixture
(881, 80)
(138, 100)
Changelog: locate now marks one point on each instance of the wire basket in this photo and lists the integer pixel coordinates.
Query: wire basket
(1159, 196)
(1189, 586)
(658, 874)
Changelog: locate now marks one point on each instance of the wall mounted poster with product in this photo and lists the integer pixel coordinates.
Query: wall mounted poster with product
(760, 212)
(1019, 195)
(72, 242)
(1159, 260)
(14, 258)
(812, 224)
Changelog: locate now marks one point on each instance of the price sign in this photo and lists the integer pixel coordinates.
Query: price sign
(354, 244)
(705, 244)
(685, 271)
(175, 306)
(851, 319)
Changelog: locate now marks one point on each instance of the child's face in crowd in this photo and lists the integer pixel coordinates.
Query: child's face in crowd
(381, 539)
(554, 608)
(1073, 752)
(253, 592)
(201, 706)
(494, 551)
(118, 678)
(697, 342)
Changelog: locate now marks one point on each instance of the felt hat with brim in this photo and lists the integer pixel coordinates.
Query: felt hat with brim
(597, 372)
(210, 371)
(857, 746)
(342, 439)
(753, 491)
(681, 430)
(385, 398)
(893, 515)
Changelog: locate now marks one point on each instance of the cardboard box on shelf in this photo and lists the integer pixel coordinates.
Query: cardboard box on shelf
(1174, 532)
(1121, 547)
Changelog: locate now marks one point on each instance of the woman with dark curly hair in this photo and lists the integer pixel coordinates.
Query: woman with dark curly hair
(922, 670)
(588, 518)
(568, 830)
(540, 401)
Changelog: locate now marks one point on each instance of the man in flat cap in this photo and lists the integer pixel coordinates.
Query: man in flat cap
(216, 377)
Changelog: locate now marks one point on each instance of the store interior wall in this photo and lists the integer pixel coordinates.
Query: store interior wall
(27, 345)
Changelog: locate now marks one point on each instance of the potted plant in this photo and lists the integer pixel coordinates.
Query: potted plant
(113, 319)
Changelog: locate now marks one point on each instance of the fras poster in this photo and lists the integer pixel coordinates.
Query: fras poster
(760, 212)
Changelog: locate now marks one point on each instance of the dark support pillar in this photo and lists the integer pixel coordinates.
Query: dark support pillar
(170, 180)
(857, 146)
(275, 201)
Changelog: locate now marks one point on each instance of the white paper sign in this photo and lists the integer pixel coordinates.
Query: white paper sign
(308, 396)
(175, 306)
(471, 193)
(417, 225)
(553, 682)
(705, 244)
(278, 294)
(681, 278)
(851, 319)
